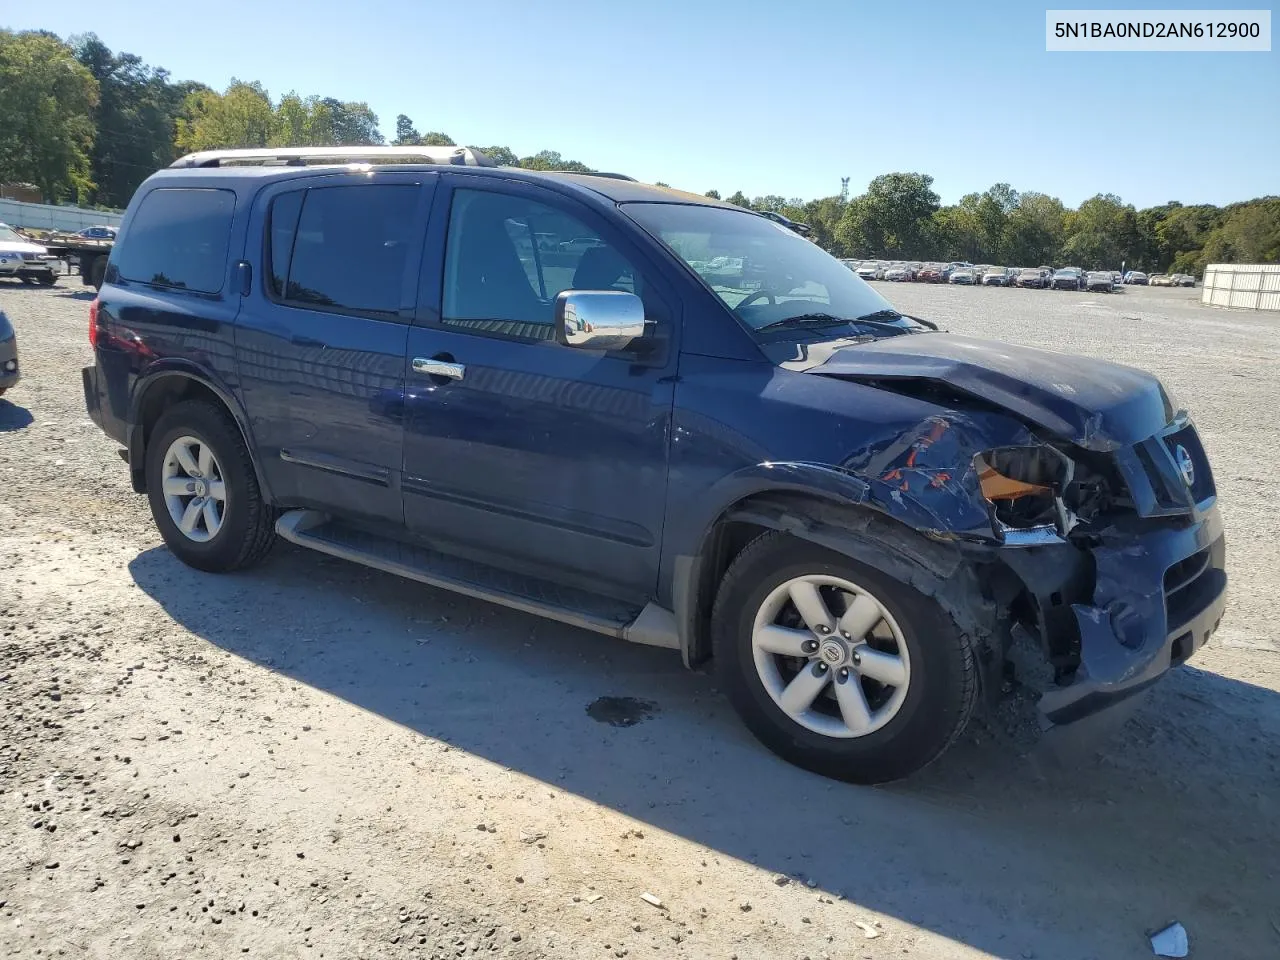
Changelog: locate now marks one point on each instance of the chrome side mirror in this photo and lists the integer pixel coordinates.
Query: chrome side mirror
(599, 319)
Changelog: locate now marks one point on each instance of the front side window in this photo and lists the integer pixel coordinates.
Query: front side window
(342, 248)
(178, 238)
(508, 257)
(767, 275)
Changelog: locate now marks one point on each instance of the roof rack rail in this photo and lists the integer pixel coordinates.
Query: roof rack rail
(306, 156)
(610, 176)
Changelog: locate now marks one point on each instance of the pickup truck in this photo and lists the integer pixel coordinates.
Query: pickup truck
(762, 464)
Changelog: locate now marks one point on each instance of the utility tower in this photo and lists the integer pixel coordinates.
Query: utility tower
(844, 189)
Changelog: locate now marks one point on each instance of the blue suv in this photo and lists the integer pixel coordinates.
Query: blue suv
(657, 417)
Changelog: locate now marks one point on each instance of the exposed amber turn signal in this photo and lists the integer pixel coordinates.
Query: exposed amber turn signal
(996, 486)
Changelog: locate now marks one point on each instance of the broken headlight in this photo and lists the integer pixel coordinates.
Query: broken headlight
(1026, 487)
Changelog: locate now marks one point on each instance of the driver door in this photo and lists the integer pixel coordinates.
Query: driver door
(537, 456)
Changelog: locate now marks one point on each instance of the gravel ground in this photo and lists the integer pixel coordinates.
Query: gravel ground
(314, 759)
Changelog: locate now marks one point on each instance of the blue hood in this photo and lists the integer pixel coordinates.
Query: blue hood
(1095, 404)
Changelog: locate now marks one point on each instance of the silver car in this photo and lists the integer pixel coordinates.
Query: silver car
(24, 260)
(9, 373)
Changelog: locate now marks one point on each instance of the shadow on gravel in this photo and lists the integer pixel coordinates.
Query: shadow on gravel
(1173, 819)
(13, 417)
(84, 295)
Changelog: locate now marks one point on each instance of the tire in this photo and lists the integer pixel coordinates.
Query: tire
(26, 281)
(47, 280)
(903, 732)
(245, 531)
(97, 272)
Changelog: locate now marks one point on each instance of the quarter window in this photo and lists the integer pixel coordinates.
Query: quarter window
(508, 257)
(178, 238)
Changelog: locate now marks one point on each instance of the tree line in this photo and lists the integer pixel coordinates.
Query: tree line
(901, 217)
(85, 124)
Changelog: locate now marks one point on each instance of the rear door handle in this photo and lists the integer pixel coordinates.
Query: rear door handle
(439, 368)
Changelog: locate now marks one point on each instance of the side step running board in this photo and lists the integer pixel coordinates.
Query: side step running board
(652, 625)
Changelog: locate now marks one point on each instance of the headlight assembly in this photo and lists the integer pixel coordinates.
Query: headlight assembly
(1025, 487)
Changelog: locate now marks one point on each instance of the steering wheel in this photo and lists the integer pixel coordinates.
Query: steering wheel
(752, 298)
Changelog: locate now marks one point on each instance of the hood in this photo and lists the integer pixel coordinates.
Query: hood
(20, 246)
(1095, 404)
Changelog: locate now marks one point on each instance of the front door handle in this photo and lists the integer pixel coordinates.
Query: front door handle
(439, 368)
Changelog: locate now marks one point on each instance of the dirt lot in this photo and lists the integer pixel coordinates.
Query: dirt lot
(311, 759)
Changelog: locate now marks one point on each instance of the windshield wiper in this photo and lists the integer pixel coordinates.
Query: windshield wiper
(804, 320)
(883, 318)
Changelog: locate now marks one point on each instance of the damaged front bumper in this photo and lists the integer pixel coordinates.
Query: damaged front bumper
(1117, 616)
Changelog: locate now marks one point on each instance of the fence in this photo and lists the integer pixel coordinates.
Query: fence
(1250, 286)
(43, 216)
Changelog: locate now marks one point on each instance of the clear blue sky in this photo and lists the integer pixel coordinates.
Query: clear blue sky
(779, 97)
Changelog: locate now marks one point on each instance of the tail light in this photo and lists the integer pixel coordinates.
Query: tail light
(93, 323)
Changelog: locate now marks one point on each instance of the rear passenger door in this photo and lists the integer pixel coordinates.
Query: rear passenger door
(322, 334)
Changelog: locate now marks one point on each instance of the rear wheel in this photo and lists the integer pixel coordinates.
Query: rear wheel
(203, 491)
(837, 667)
(48, 279)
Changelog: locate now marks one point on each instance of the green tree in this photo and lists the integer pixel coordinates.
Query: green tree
(738, 198)
(405, 132)
(1033, 232)
(502, 156)
(712, 194)
(1250, 233)
(241, 117)
(437, 140)
(1100, 233)
(134, 118)
(551, 160)
(47, 99)
(892, 217)
(955, 231)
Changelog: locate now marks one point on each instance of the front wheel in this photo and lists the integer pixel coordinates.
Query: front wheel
(48, 279)
(836, 666)
(203, 491)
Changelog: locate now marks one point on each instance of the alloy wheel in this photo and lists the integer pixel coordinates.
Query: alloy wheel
(831, 656)
(195, 492)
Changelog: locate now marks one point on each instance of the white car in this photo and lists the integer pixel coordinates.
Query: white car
(1159, 280)
(899, 272)
(27, 261)
(871, 270)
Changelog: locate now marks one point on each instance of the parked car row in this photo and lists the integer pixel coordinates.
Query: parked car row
(964, 273)
(1138, 278)
(1043, 277)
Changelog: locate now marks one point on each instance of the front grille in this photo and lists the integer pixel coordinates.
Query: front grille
(1201, 485)
(1166, 462)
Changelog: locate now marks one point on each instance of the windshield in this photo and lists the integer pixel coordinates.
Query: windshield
(766, 274)
(8, 233)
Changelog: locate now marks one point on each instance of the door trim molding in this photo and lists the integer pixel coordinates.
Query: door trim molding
(591, 524)
(340, 465)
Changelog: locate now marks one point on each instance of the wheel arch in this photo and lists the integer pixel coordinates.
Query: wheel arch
(161, 390)
(835, 516)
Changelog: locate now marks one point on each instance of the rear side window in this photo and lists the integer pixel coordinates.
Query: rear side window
(343, 248)
(178, 238)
